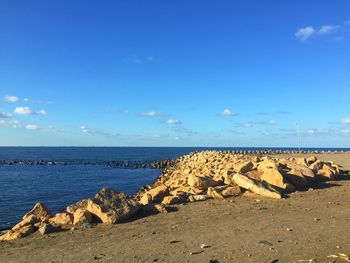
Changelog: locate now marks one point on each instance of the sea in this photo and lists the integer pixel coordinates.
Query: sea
(77, 173)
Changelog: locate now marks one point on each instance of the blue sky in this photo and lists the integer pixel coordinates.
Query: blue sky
(175, 73)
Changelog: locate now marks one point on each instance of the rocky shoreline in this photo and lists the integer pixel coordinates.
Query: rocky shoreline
(197, 176)
(157, 164)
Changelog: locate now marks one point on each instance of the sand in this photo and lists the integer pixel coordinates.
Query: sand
(308, 225)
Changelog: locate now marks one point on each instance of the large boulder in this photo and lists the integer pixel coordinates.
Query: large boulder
(82, 216)
(154, 195)
(18, 233)
(272, 175)
(170, 200)
(255, 186)
(29, 220)
(78, 205)
(244, 167)
(214, 194)
(64, 218)
(40, 211)
(234, 190)
(297, 173)
(327, 172)
(112, 207)
(201, 182)
(47, 228)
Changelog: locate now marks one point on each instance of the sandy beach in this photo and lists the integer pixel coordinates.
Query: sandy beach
(307, 226)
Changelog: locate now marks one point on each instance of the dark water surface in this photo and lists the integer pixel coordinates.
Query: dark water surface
(21, 186)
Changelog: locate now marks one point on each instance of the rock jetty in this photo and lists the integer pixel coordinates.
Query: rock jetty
(197, 176)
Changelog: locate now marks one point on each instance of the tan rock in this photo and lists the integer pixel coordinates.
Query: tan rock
(272, 176)
(18, 233)
(311, 160)
(46, 229)
(146, 199)
(244, 167)
(112, 207)
(78, 205)
(214, 194)
(327, 173)
(155, 195)
(29, 220)
(196, 198)
(231, 191)
(316, 166)
(82, 216)
(64, 218)
(170, 200)
(154, 208)
(201, 182)
(40, 211)
(255, 186)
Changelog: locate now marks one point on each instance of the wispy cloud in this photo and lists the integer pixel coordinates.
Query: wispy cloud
(184, 131)
(172, 121)
(248, 124)
(283, 112)
(346, 121)
(36, 127)
(90, 131)
(149, 114)
(305, 33)
(5, 115)
(28, 111)
(10, 123)
(10, 98)
(33, 127)
(327, 29)
(268, 122)
(124, 111)
(134, 59)
(227, 112)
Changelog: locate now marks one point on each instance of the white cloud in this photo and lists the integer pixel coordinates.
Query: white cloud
(141, 60)
(227, 112)
(311, 131)
(345, 131)
(23, 111)
(33, 127)
(97, 132)
(9, 98)
(124, 111)
(149, 114)
(28, 111)
(304, 33)
(41, 112)
(172, 121)
(271, 122)
(5, 115)
(84, 129)
(327, 29)
(346, 121)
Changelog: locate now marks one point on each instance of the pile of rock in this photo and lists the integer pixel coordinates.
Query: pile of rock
(193, 177)
(108, 206)
(217, 174)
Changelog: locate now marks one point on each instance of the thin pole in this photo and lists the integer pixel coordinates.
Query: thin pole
(298, 134)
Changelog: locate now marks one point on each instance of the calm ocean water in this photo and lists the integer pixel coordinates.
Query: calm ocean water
(21, 186)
